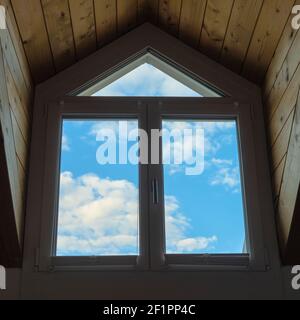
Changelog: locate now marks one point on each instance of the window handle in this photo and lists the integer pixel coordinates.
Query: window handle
(155, 189)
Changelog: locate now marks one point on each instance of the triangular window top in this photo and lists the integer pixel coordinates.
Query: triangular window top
(149, 76)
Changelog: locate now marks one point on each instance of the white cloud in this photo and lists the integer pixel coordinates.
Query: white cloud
(221, 162)
(228, 177)
(100, 217)
(192, 244)
(65, 143)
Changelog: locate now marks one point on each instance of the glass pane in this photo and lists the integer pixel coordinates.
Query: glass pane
(204, 209)
(98, 197)
(146, 81)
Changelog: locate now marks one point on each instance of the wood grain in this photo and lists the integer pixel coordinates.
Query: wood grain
(84, 29)
(169, 15)
(191, 21)
(268, 30)
(34, 35)
(215, 25)
(288, 215)
(240, 29)
(281, 144)
(148, 10)
(106, 20)
(58, 22)
(285, 43)
(127, 12)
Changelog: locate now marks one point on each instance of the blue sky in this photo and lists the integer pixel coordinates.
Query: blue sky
(98, 209)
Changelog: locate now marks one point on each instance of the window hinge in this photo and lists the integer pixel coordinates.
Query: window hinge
(36, 259)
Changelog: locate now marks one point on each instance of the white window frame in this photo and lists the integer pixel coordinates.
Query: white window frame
(150, 112)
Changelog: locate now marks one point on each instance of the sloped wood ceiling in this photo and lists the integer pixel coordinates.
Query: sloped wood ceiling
(241, 34)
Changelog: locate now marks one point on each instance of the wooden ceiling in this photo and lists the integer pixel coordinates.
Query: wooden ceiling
(241, 34)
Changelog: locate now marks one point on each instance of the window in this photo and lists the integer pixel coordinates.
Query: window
(149, 168)
(149, 76)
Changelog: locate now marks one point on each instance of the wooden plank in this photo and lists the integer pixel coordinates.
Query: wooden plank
(23, 83)
(282, 50)
(269, 27)
(106, 20)
(10, 53)
(277, 178)
(169, 15)
(13, 62)
(20, 143)
(272, 106)
(17, 43)
(10, 253)
(84, 29)
(284, 109)
(288, 206)
(291, 255)
(58, 22)
(215, 25)
(280, 146)
(191, 21)
(11, 235)
(148, 10)
(33, 31)
(286, 73)
(19, 110)
(241, 26)
(127, 12)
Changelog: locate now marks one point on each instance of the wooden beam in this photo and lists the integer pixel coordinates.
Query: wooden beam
(289, 200)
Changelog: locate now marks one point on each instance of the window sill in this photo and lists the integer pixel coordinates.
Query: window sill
(173, 263)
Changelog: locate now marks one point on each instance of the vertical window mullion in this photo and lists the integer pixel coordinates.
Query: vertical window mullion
(156, 195)
(144, 237)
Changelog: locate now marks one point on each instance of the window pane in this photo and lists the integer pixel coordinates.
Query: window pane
(147, 81)
(98, 197)
(204, 210)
